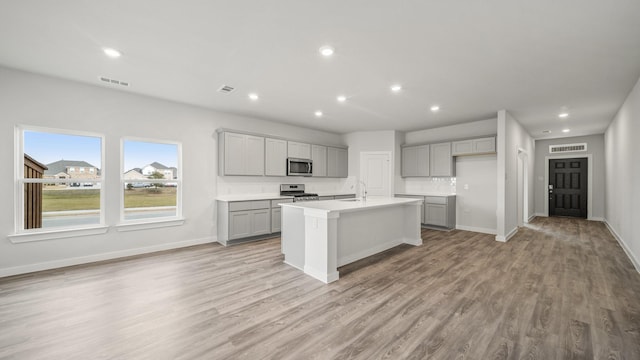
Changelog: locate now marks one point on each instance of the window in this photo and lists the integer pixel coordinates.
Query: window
(151, 181)
(48, 191)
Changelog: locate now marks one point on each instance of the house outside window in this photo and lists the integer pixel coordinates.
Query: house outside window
(151, 181)
(55, 199)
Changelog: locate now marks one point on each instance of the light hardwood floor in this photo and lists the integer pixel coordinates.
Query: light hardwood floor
(560, 289)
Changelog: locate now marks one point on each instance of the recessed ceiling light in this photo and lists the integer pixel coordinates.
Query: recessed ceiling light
(435, 108)
(318, 113)
(253, 96)
(565, 130)
(396, 88)
(341, 98)
(546, 131)
(326, 51)
(112, 53)
(563, 115)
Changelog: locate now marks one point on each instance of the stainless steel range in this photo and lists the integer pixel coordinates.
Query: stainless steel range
(297, 191)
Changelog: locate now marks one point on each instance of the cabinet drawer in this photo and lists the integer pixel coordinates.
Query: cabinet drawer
(248, 205)
(436, 200)
(274, 203)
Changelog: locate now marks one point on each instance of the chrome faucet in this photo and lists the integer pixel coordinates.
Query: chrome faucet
(364, 190)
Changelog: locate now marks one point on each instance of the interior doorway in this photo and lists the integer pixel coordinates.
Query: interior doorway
(523, 187)
(567, 188)
(375, 172)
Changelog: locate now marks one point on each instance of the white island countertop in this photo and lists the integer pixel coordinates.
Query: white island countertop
(250, 197)
(348, 205)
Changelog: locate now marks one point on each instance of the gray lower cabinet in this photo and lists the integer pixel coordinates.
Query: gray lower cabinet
(247, 219)
(436, 210)
(440, 211)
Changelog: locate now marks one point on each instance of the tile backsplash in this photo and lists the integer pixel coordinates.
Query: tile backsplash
(438, 184)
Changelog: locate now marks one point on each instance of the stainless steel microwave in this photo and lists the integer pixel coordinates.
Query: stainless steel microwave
(299, 167)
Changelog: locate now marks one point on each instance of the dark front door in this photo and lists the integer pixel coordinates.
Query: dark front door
(568, 187)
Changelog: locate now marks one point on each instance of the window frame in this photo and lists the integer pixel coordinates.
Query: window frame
(138, 224)
(23, 235)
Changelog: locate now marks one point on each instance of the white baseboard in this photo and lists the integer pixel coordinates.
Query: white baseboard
(596, 219)
(624, 246)
(477, 229)
(530, 219)
(509, 235)
(540, 215)
(24, 269)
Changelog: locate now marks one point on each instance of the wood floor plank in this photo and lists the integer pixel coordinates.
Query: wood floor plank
(559, 289)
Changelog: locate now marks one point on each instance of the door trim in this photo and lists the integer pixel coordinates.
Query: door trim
(589, 181)
(363, 154)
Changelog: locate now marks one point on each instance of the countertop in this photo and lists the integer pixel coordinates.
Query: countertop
(347, 205)
(427, 193)
(249, 197)
(267, 196)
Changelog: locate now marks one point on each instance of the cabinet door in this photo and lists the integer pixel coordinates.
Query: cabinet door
(463, 147)
(441, 163)
(337, 162)
(484, 145)
(298, 150)
(239, 224)
(319, 157)
(276, 220)
(409, 161)
(254, 153)
(435, 214)
(234, 154)
(423, 160)
(275, 163)
(260, 221)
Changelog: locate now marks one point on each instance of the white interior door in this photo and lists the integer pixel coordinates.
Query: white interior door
(375, 172)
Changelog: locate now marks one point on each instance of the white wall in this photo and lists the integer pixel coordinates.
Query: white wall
(512, 137)
(622, 195)
(452, 132)
(476, 193)
(35, 100)
(595, 148)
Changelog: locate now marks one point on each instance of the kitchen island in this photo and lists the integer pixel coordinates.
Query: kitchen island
(319, 236)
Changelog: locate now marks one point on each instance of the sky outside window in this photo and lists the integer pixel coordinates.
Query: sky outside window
(137, 154)
(47, 148)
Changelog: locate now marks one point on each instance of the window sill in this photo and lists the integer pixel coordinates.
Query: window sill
(134, 226)
(57, 234)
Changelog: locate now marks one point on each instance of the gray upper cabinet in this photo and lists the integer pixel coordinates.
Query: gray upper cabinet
(319, 158)
(441, 160)
(337, 162)
(275, 157)
(415, 161)
(298, 150)
(486, 145)
(241, 154)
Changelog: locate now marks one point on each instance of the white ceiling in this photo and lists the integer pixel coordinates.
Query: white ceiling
(473, 58)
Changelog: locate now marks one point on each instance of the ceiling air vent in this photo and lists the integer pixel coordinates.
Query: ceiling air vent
(226, 89)
(113, 81)
(553, 149)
